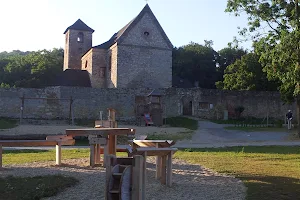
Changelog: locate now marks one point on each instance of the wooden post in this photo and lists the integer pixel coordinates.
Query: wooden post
(92, 155)
(158, 163)
(0, 156)
(158, 167)
(169, 169)
(22, 108)
(144, 175)
(109, 165)
(58, 154)
(137, 178)
(163, 170)
(70, 111)
(105, 154)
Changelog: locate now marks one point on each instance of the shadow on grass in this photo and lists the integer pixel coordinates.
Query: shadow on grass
(24, 151)
(251, 149)
(271, 187)
(27, 188)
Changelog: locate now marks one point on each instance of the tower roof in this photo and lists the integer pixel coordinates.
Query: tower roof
(118, 36)
(79, 25)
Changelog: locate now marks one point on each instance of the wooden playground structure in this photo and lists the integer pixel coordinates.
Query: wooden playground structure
(125, 177)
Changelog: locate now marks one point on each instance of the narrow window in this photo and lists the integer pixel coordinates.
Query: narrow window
(109, 63)
(80, 37)
(102, 72)
(86, 64)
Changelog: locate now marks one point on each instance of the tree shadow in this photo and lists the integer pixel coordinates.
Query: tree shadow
(250, 149)
(271, 187)
(17, 151)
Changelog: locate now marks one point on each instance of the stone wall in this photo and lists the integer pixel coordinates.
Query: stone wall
(74, 49)
(94, 61)
(88, 102)
(144, 67)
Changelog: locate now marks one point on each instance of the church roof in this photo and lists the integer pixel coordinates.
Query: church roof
(73, 78)
(79, 25)
(117, 37)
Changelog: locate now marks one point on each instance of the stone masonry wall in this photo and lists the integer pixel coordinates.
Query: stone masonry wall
(88, 102)
(113, 71)
(137, 36)
(144, 67)
(94, 61)
(74, 50)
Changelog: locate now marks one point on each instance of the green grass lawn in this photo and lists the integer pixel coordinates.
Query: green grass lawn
(7, 123)
(29, 188)
(268, 172)
(182, 122)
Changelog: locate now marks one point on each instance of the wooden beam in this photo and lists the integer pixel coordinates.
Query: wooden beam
(58, 154)
(169, 169)
(92, 155)
(163, 170)
(34, 143)
(137, 178)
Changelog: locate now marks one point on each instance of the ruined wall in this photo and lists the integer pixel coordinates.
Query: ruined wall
(88, 102)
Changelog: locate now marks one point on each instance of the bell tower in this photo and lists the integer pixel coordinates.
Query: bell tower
(78, 40)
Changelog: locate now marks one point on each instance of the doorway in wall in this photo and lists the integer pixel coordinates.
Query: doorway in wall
(187, 107)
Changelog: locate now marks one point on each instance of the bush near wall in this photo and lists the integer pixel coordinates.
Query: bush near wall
(182, 122)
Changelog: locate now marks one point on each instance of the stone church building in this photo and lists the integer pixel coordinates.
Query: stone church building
(137, 56)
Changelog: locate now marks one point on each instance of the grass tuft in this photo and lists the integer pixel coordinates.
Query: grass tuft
(182, 122)
(29, 188)
(6, 123)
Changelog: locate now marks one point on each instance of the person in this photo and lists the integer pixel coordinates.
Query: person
(289, 117)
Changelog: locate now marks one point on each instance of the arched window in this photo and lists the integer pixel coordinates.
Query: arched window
(80, 37)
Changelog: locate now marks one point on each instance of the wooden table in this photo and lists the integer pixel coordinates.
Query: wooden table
(157, 144)
(105, 136)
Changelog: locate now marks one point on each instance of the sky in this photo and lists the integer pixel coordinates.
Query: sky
(31, 25)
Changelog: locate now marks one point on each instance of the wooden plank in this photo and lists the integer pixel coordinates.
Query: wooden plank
(153, 151)
(94, 140)
(169, 169)
(58, 154)
(34, 143)
(152, 143)
(163, 170)
(58, 137)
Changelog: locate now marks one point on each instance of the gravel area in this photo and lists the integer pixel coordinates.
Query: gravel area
(191, 182)
(60, 129)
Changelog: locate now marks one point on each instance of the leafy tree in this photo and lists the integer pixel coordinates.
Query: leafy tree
(274, 27)
(35, 69)
(196, 63)
(228, 56)
(246, 74)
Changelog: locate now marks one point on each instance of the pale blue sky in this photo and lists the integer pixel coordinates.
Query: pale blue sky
(39, 24)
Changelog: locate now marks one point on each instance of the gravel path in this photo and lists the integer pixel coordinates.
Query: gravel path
(191, 182)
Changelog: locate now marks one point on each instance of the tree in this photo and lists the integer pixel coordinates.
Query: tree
(228, 56)
(35, 69)
(196, 63)
(246, 74)
(278, 45)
